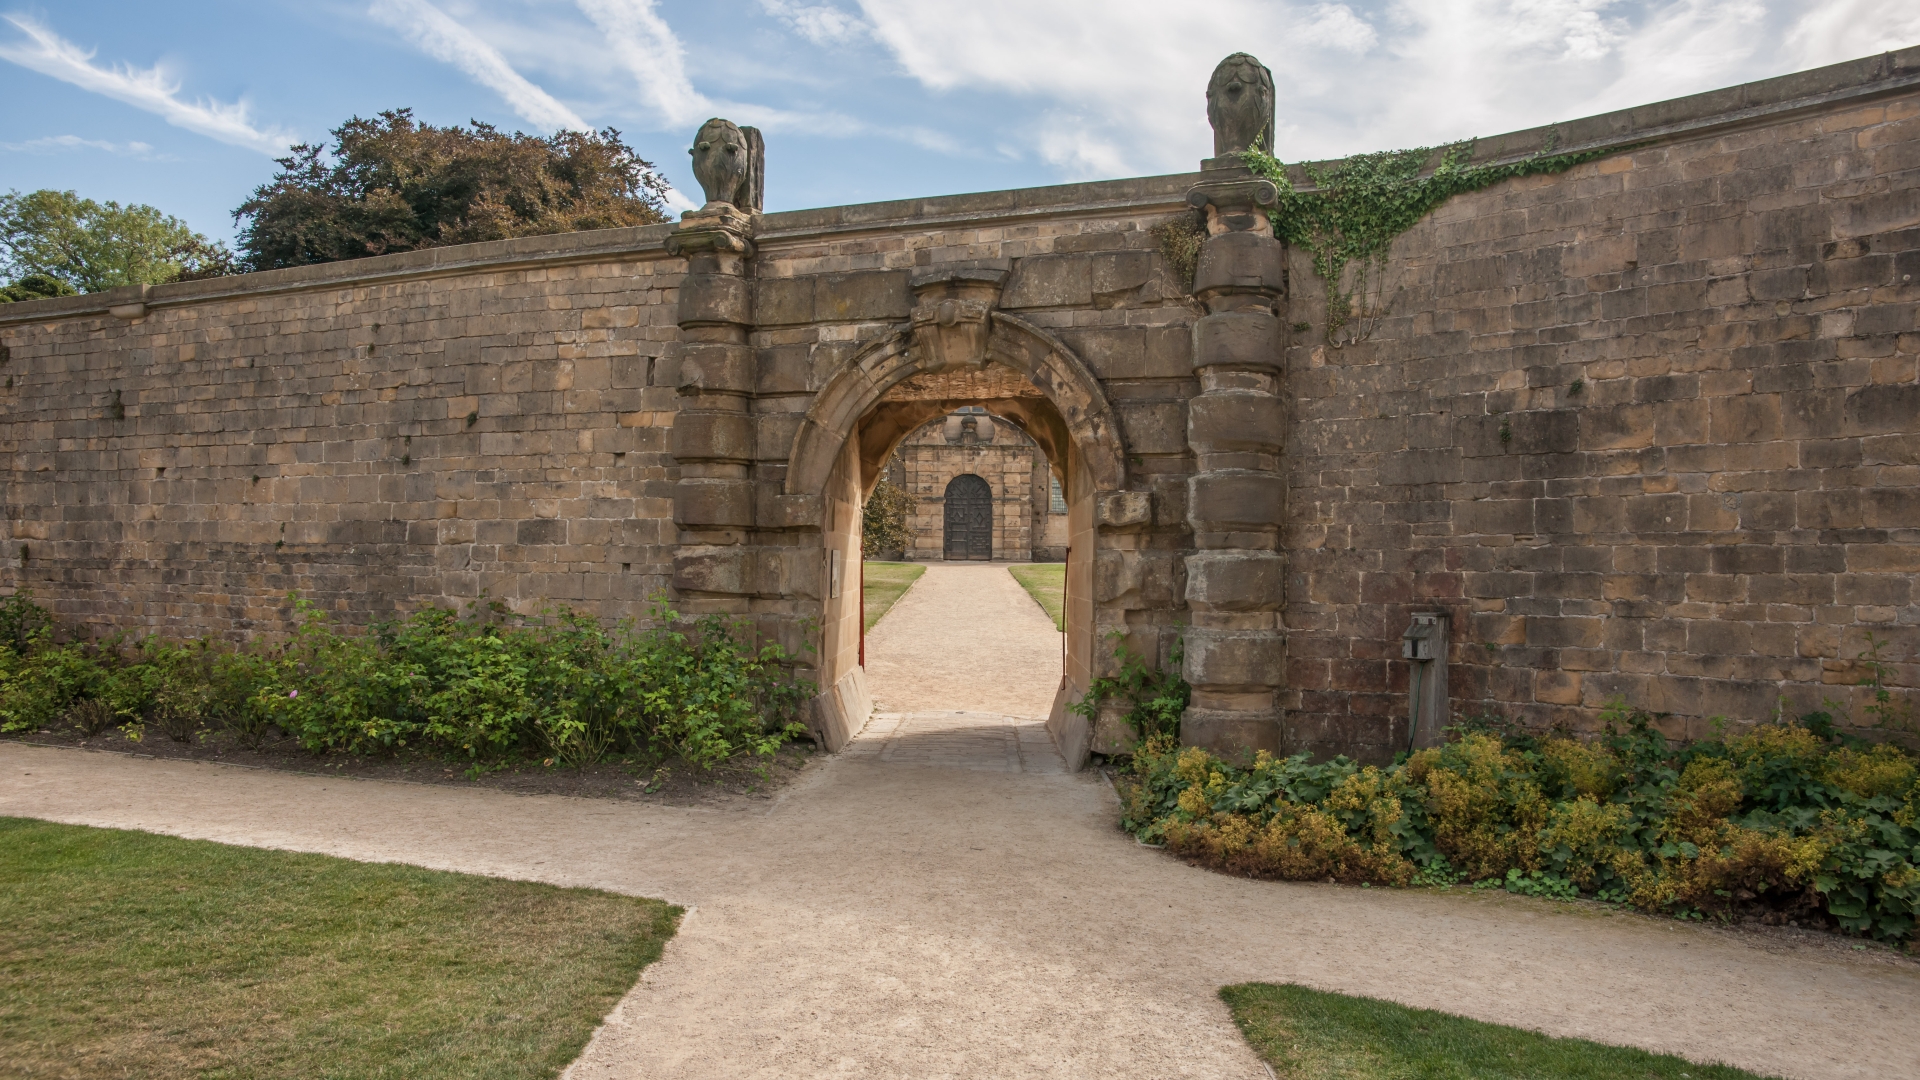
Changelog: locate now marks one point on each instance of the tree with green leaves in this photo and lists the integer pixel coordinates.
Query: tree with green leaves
(35, 287)
(884, 531)
(391, 184)
(89, 246)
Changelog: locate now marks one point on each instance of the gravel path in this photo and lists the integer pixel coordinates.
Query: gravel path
(943, 900)
(966, 637)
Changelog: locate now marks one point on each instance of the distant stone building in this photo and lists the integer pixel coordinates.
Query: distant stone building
(985, 491)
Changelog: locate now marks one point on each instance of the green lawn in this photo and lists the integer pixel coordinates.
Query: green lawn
(887, 582)
(1047, 584)
(1312, 1035)
(124, 954)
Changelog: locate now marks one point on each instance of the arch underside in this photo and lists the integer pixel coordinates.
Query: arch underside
(1060, 406)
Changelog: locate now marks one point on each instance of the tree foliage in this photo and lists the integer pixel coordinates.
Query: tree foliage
(883, 523)
(35, 287)
(89, 246)
(391, 184)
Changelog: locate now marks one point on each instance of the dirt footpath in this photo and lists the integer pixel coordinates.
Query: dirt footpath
(942, 900)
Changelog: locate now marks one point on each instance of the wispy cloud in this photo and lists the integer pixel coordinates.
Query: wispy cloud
(435, 33)
(648, 48)
(822, 24)
(55, 144)
(149, 89)
(1850, 28)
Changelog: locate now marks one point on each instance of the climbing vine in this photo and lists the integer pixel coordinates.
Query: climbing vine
(1355, 208)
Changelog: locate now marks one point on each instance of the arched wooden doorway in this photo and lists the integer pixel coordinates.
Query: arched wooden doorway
(969, 519)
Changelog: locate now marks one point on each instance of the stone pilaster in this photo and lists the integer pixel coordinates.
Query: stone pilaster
(1236, 647)
(713, 428)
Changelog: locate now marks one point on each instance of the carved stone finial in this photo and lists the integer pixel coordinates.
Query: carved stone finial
(730, 163)
(1240, 105)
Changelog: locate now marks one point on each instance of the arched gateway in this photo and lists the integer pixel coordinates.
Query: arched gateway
(786, 554)
(954, 350)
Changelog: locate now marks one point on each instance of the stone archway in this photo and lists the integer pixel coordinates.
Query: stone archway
(956, 351)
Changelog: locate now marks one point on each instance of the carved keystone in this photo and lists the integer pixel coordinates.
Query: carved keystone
(952, 314)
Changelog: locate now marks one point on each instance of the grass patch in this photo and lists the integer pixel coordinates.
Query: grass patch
(1313, 1035)
(129, 954)
(1047, 584)
(885, 584)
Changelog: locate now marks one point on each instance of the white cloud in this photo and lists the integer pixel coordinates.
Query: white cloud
(436, 33)
(1335, 26)
(647, 47)
(1851, 29)
(655, 57)
(677, 201)
(1114, 88)
(149, 89)
(822, 24)
(54, 144)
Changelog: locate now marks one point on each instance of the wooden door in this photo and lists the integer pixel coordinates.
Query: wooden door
(969, 518)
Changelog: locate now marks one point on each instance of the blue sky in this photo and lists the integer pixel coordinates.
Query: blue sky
(183, 105)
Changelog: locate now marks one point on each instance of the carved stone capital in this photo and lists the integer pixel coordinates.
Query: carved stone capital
(1235, 201)
(715, 228)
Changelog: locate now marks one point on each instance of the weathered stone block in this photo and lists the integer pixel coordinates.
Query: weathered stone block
(1044, 281)
(701, 501)
(716, 368)
(1237, 580)
(1247, 340)
(723, 570)
(1226, 659)
(1123, 509)
(712, 436)
(1147, 578)
(861, 297)
(775, 433)
(774, 509)
(1241, 261)
(1236, 422)
(715, 298)
(1235, 497)
(783, 301)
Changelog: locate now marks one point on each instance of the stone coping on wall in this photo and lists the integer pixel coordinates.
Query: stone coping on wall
(1768, 100)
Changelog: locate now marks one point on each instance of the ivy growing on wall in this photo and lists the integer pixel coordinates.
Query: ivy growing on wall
(1355, 208)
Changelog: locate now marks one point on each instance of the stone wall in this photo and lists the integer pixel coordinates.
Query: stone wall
(500, 421)
(1647, 430)
(372, 435)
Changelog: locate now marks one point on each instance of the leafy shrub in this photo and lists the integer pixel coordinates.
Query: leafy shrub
(1779, 822)
(1155, 698)
(487, 687)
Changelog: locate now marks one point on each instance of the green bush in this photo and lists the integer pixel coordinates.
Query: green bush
(1155, 697)
(1785, 821)
(487, 687)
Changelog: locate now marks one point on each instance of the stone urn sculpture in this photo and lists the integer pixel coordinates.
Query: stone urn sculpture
(728, 161)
